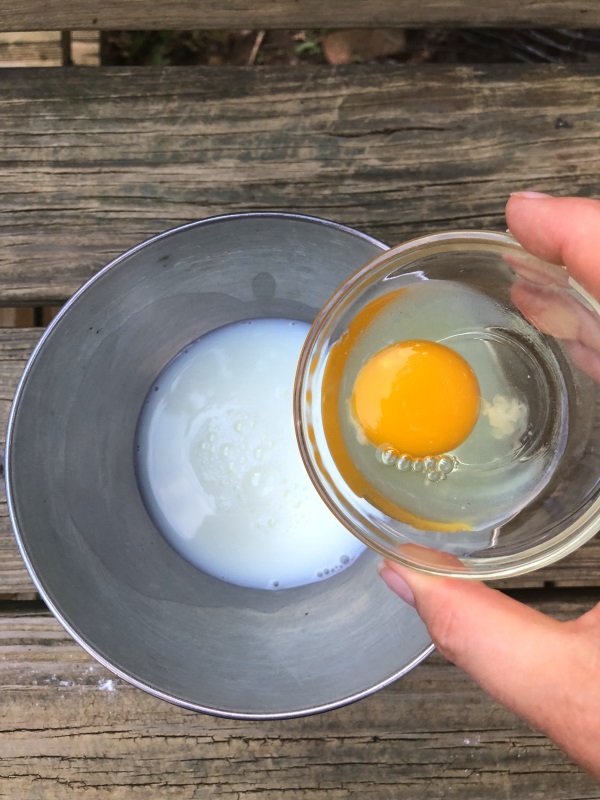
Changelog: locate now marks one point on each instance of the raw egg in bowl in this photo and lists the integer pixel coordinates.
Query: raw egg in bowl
(445, 417)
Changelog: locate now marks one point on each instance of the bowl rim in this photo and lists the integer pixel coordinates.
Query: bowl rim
(490, 568)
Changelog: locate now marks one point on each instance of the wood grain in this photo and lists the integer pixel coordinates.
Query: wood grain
(580, 569)
(16, 346)
(94, 161)
(49, 48)
(71, 730)
(85, 48)
(237, 14)
(31, 49)
(16, 317)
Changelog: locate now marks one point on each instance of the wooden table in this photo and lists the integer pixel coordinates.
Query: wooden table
(93, 161)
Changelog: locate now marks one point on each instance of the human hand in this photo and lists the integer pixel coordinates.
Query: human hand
(544, 296)
(547, 672)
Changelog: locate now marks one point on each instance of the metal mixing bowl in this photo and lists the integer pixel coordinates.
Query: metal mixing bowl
(92, 550)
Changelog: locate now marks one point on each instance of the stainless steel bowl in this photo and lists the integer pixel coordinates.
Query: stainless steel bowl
(92, 550)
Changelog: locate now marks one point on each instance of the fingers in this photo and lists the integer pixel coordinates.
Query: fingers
(562, 230)
(476, 627)
(586, 358)
(557, 313)
(556, 229)
(534, 665)
(544, 670)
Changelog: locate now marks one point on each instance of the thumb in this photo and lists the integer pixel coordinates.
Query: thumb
(536, 666)
(562, 230)
(477, 628)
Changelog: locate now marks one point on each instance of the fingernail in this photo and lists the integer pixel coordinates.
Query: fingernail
(397, 584)
(530, 195)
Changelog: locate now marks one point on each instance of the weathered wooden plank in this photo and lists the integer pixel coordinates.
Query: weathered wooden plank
(93, 161)
(16, 317)
(70, 729)
(237, 14)
(49, 48)
(31, 49)
(15, 347)
(48, 314)
(85, 48)
(579, 569)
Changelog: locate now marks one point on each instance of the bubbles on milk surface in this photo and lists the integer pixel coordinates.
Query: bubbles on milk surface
(219, 467)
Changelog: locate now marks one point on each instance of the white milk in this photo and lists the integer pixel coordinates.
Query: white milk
(219, 466)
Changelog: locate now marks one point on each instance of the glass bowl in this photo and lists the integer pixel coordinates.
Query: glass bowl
(522, 489)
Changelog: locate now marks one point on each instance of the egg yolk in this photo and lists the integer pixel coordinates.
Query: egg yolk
(419, 397)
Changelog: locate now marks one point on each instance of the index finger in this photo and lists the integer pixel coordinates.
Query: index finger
(562, 230)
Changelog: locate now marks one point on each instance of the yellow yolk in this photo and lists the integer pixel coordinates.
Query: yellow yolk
(419, 397)
(332, 382)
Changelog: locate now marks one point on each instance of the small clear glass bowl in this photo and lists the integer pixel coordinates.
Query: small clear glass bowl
(523, 490)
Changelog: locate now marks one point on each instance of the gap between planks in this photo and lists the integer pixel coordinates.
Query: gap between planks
(27, 317)
(50, 49)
